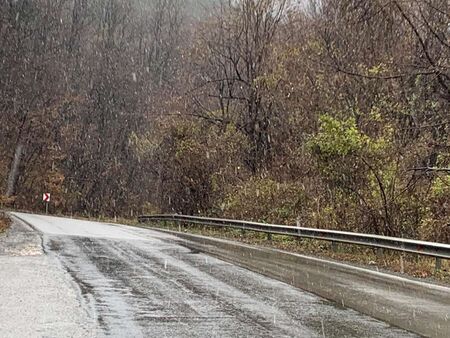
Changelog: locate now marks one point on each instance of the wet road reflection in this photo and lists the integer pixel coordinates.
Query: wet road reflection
(156, 287)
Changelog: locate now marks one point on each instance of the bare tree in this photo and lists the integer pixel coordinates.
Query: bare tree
(31, 38)
(239, 40)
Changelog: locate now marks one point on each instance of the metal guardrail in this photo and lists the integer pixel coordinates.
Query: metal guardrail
(437, 250)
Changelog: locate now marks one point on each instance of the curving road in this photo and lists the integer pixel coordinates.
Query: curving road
(72, 278)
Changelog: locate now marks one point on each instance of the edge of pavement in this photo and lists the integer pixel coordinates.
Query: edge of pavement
(420, 307)
(40, 298)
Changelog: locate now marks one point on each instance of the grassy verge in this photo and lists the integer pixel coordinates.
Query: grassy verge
(387, 260)
(4, 222)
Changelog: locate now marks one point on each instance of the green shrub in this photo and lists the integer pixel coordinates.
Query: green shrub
(266, 200)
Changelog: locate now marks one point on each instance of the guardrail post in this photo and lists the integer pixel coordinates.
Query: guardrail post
(269, 236)
(379, 252)
(438, 265)
(402, 262)
(179, 226)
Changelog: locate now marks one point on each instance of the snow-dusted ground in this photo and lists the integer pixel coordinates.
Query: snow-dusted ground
(37, 297)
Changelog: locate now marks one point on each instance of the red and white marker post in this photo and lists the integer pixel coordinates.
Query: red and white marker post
(46, 200)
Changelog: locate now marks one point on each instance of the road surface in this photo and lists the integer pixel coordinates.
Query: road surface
(72, 278)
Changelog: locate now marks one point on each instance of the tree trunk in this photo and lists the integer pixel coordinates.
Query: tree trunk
(14, 171)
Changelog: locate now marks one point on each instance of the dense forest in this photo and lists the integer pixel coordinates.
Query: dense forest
(323, 113)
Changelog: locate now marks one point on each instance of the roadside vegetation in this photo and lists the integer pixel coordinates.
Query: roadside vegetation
(330, 114)
(4, 222)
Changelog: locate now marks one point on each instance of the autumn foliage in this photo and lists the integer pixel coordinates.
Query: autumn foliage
(330, 114)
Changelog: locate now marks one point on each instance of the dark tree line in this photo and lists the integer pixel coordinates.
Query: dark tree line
(331, 113)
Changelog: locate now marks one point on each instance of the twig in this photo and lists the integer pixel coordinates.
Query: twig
(430, 169)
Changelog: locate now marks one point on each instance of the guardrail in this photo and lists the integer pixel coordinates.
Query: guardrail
(437, 250)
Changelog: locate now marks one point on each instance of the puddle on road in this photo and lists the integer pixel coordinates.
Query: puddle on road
(93, 271)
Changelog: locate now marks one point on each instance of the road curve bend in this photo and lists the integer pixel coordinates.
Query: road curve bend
(126, 281)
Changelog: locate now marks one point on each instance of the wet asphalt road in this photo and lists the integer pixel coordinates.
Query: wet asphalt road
(134, 282)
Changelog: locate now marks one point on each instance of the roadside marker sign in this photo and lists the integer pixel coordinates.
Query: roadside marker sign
(46, 200)
(46, 197)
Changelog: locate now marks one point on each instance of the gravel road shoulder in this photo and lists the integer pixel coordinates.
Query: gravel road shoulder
(53, 306)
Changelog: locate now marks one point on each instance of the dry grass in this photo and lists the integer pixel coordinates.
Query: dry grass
(382, 260)
(4, 222)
